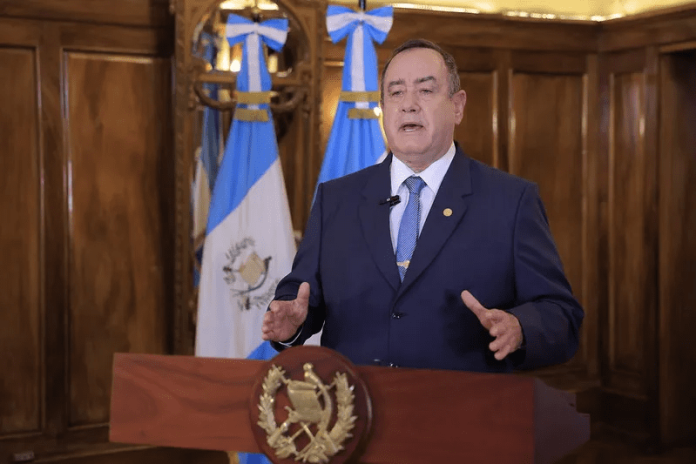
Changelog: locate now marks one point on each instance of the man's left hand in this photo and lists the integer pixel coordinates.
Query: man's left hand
(500, 324)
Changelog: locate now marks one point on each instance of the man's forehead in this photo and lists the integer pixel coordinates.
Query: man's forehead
(415, 65)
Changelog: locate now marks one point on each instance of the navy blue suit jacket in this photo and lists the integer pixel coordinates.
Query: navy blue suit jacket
(496, 244)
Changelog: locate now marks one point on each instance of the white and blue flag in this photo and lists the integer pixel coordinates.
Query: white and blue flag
(356, 139)
(249, 244)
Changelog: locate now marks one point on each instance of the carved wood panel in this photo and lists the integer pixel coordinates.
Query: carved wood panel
(20, 244)
(478, 131)
(482, 75)
(87, 172)
(547, 146)
(631, 237)
(124, 12)
(677, 205)
(121, 176)
(629, 354)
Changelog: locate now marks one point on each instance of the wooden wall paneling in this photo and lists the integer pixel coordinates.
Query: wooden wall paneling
(124, 12)
(491, 31)
(313, 16)
(629, 256)
(21, 308)
(601, 191)
(589, 348)
(332, 82)
(658, 27)
(549, 62)
(504, 73)
(185, 298)
(650, 140)
(678, 47)
(19, 32)
(298, 172)
(547, 144)
(677, 226)
(478, 133)
(105, 38)
(119, 140)
(55, 233)
(632, 242)
(46, 240)
(303, 173)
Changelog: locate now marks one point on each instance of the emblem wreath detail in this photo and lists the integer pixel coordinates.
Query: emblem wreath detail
(309, 412)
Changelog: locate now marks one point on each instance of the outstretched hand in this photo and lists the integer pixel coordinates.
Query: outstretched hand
(285, 317)
(500, 324)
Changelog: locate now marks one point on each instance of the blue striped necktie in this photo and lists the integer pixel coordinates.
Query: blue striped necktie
(410, 221)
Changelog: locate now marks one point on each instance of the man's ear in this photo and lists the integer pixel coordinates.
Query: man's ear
(459, 100)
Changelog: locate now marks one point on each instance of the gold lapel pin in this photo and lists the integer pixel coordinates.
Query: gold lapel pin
(447, 212)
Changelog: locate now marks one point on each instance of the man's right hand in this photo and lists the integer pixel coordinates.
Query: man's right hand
(284, 317)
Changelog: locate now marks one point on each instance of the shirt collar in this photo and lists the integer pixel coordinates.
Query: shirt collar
(432, 175)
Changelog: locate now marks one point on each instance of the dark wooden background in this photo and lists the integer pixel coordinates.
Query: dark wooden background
(601, 116)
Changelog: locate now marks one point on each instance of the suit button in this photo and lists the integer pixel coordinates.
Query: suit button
(396, 315)
(393, 365)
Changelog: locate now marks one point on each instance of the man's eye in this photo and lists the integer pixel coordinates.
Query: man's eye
(426, 91)
(396, 93)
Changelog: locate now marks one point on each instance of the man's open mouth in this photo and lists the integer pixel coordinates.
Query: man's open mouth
(411, 127)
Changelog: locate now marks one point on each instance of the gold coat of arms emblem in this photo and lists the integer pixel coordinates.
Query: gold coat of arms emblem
(308, 417)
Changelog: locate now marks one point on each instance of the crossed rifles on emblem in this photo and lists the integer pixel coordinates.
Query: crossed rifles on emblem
(307, 409)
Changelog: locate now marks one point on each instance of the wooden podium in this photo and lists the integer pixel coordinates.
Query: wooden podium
(418, 415)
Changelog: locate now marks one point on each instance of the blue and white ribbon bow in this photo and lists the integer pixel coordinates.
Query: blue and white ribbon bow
(253, 74)
(360, 70)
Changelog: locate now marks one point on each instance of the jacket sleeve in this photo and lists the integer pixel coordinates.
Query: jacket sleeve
(548, 312)
(305, 268)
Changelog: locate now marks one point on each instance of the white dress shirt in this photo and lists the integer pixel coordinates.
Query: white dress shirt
(432, 176)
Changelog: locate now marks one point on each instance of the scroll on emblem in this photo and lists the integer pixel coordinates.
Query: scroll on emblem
(310, 407)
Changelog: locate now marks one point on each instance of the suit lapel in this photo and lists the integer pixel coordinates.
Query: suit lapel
(374, 220)
(448, 209)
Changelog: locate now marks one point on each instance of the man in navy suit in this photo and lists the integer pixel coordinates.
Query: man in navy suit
(484, 288)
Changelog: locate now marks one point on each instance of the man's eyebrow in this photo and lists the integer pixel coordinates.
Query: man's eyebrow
(395, 83)
(420, 80)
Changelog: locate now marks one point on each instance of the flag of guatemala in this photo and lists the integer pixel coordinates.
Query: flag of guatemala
(356, 139)
(249, 245)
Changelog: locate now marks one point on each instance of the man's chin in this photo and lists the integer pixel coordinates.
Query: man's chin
(410, 150)
(408, 155)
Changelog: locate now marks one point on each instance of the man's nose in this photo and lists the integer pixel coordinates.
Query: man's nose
(410, 103)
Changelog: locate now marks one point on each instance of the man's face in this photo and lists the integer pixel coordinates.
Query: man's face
(419, 115)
